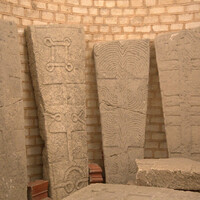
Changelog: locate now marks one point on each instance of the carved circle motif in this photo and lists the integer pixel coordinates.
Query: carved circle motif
(76, 174)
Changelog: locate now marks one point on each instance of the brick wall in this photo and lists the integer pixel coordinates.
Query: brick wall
(103, 20)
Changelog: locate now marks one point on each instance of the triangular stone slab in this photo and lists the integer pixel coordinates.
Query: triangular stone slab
(13, 165)
(178, 61)
(122, 70)
(57, 64)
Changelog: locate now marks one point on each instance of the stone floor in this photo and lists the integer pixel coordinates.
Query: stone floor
(130, 192)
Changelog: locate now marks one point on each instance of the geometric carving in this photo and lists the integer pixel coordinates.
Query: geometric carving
(54, 45)
(69, 183)
(122, 70)
(78, 117)
(13, 165)
(56, 58)
(179, 71)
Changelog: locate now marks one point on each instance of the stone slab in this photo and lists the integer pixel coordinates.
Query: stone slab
(122, 71)
(57, 65)
(178, 61)
(130, 192)
(175, 173)
(13, 170)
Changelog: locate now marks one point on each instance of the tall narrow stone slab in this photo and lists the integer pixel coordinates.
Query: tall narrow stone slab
(178, 61)
(57, 64)
(122, 70)
(13, 170)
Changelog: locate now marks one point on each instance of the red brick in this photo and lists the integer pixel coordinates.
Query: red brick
(38, 188)
(94, 168)
(96, 178)
(95, 173)
(40, 196)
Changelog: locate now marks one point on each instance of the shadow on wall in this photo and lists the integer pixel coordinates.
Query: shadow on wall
(100, 162)
(155, 137)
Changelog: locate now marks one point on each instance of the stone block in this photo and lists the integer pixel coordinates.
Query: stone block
(95, 173)
(96, 178)
(174, 173)
(130, 192)
(13, 165)
(178, 62)
(94, 168)
(38, 190)
(122, 70)
(57, 65)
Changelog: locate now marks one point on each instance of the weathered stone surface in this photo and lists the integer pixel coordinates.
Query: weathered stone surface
(13, 170)
(175, 173)
(122, 69)
(130, 192)
(57, 64)
(178, 61)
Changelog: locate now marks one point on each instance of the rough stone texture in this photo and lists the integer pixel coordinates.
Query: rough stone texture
(57, 63)
(175, 173)
(13, 171)
(178, 61)
(130, 192)
(122, 70)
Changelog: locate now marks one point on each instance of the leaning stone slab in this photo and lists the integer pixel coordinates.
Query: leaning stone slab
(178, 61)
(122, 70)
(13, 170)
(130, 192)
(57, 64)
(175, 173)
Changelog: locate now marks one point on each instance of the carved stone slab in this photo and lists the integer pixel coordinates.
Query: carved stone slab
(13, 170)
(57, 64)
(178, 61)
(130, 192)
(175, 173)
(122, 70)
